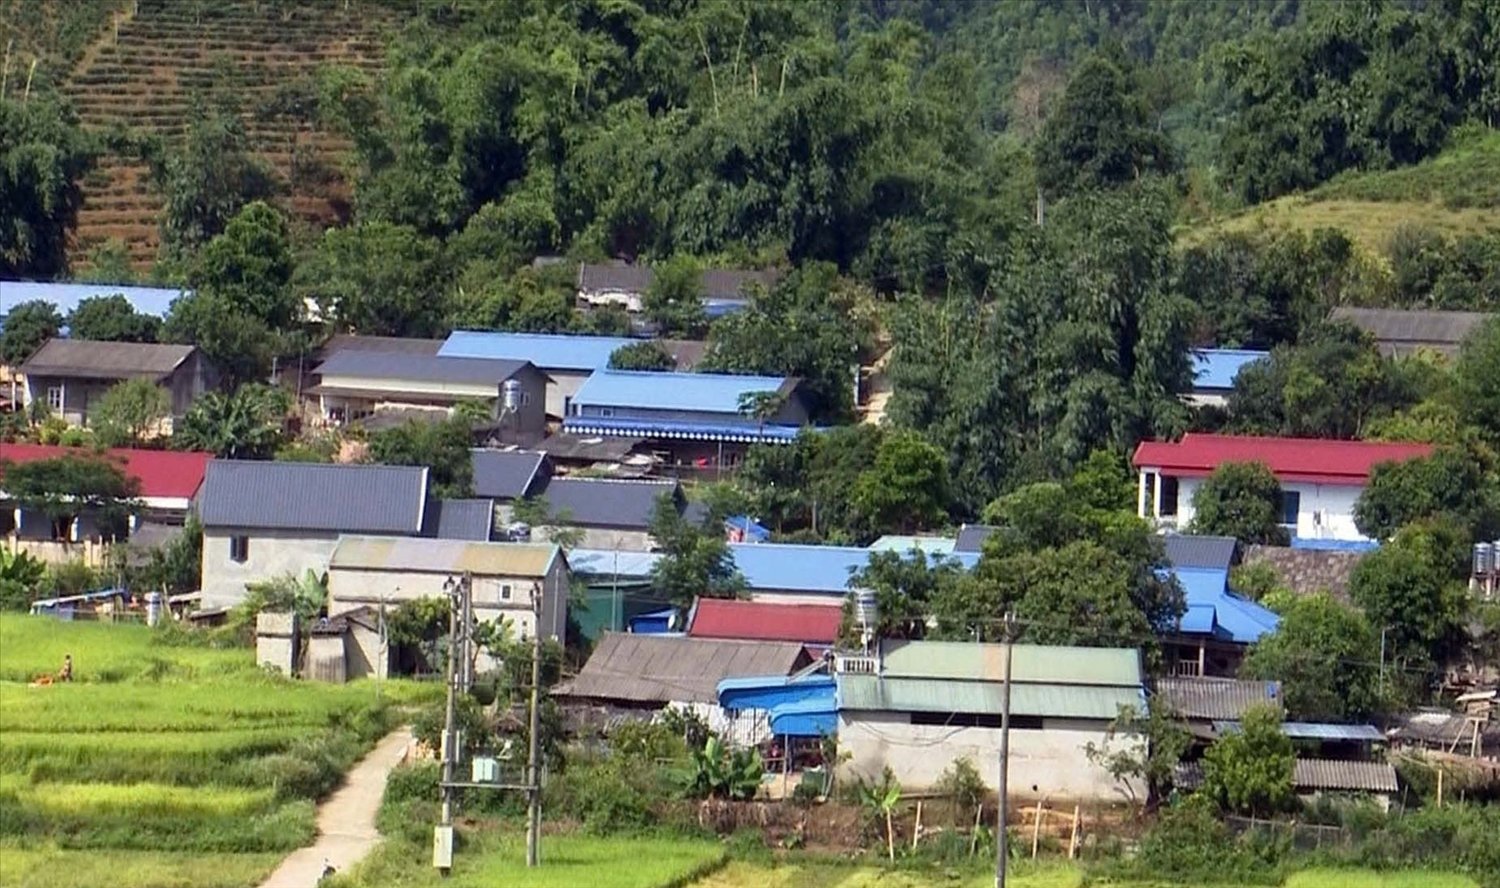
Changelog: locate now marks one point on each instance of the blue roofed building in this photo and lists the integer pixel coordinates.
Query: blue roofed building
(1216, 627)
(694, 420)
(1214, 370)
(795, 573)
(568, 360)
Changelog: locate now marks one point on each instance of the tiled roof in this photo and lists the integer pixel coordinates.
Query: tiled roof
(692, 392)
(314, 496)
(417, 367)
(169, 474)
(1215, 699)
(155, 301)
(415, 555)
(1191, 550)
(1216, 368)
(606, 502)
(106, 360)
(971, 537)
(663, 669)
(507, 474)
(762, 621)
(1290, 459)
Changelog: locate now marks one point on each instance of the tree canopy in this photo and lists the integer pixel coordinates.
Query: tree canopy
(1242, 500)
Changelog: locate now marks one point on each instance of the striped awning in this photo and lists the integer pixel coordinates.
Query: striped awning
(770, 434)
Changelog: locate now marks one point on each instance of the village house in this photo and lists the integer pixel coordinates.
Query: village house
(357, 383)
(262, 520)
(567, 360)
(1214, 371)
(815, 626)
(916, 707)
(624, 285)
(694, 420)
(637, 676)
(169, 481)
(69, 376)
(506, 581)
(1402, 332)
(1320, 479)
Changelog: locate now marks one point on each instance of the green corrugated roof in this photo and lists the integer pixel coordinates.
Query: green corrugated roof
(867, 692)
(1041, 664)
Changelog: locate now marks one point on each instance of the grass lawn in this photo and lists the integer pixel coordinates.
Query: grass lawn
(567, 861)
(820, 874)
(1335, 878)
(163, 765)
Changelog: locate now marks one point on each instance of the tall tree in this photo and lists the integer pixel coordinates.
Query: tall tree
(130, 413)
(1250, 770)
(1477, 379)
(43, 157)
(27, 326)
(208, 179)
(376, 279)
(1453, 483)
(248, 424)
(695, 560)
(1320, 653)
(250, 265)
(674, 301)
(65, 487)
(1242, 500)
(441, 446)
(1412, 588)
(111, 319)
(906, 489)
(640, 356)
(236, 342)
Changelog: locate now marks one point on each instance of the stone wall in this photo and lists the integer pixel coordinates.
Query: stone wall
(1306, 571)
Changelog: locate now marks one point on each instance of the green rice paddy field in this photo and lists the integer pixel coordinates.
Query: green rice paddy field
(163, 765)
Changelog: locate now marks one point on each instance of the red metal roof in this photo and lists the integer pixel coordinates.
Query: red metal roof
(174, 474)
(763, 621)
(1314, 460)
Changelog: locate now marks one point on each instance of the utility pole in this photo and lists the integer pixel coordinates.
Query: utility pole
(457, 669)
(533, 772)
(1002, 815)
(1382, 663)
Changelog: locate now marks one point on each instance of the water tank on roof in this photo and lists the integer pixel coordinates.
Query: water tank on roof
(510, 395)
(866, 610)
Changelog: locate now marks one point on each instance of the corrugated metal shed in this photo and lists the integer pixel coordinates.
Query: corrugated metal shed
(877, 693)
(971, 537)
(1316, 731)
(1049, 664)
(417, 367)
(383, 344)
(761, 621)
(506, 474)
(168, 474)
(411, 555)
(692, 392)
(659, 669)
(1191, 550)
(1215, 699)
(313, 496)
(106, 360)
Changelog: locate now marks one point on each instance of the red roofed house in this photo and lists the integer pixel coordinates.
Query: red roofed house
(815, 625)
(1320, 479)
(169, 480)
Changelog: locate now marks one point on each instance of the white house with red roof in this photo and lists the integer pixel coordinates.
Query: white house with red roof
(1320, 479)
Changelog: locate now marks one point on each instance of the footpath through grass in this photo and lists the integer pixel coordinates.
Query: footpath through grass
(164, 765)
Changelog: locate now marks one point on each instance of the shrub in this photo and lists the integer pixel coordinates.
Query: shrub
(1190, 844)
(602, 797)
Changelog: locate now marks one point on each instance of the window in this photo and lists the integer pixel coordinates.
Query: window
(1169, 496)
(55, 397)
(1291, 504)
(239, 549)
(505, 591)
(606, 412)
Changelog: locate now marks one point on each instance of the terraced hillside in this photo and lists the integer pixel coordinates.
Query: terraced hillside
(145, 71)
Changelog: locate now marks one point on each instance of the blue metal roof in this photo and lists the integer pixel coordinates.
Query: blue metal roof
(1234, 618)
(1315, 731)
(804, 568)
(691, 431)
(145, 300)
(1216, 368)
(545, 350)
(753, 531)
(1334, 545)
(805, 706)
(806, 718)
(694, 392)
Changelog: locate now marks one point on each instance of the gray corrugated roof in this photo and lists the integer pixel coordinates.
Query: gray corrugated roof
(105, 360)
(662, 669)
(507, 474)
(459, 519)
(382, 344)
(313, 496)
(732, 283)
(1337, 774)
(617, 276)
(417, 367)
(1215, 698)
(1400, 332)
(971, 537)
(602, 502)
(1190, 550)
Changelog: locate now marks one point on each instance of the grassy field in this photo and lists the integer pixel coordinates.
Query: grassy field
(164, 765)
(567, 861)
(1455, 193)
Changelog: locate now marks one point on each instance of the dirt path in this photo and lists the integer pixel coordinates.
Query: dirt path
(346, 819)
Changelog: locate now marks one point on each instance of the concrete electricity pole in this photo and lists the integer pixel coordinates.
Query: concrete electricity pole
(1002, 815)
(533, 771)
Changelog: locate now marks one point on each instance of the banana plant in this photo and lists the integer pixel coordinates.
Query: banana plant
(883, 799)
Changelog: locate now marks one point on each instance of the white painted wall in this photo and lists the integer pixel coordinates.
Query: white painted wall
(1049, 762)
(563, 386)
(271, 553)
(1335, 502)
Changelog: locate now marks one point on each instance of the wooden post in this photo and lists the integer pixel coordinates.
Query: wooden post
(1073, 839)
(974, 838)
(1036, 829)
(1440, 787)
(916, 831)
